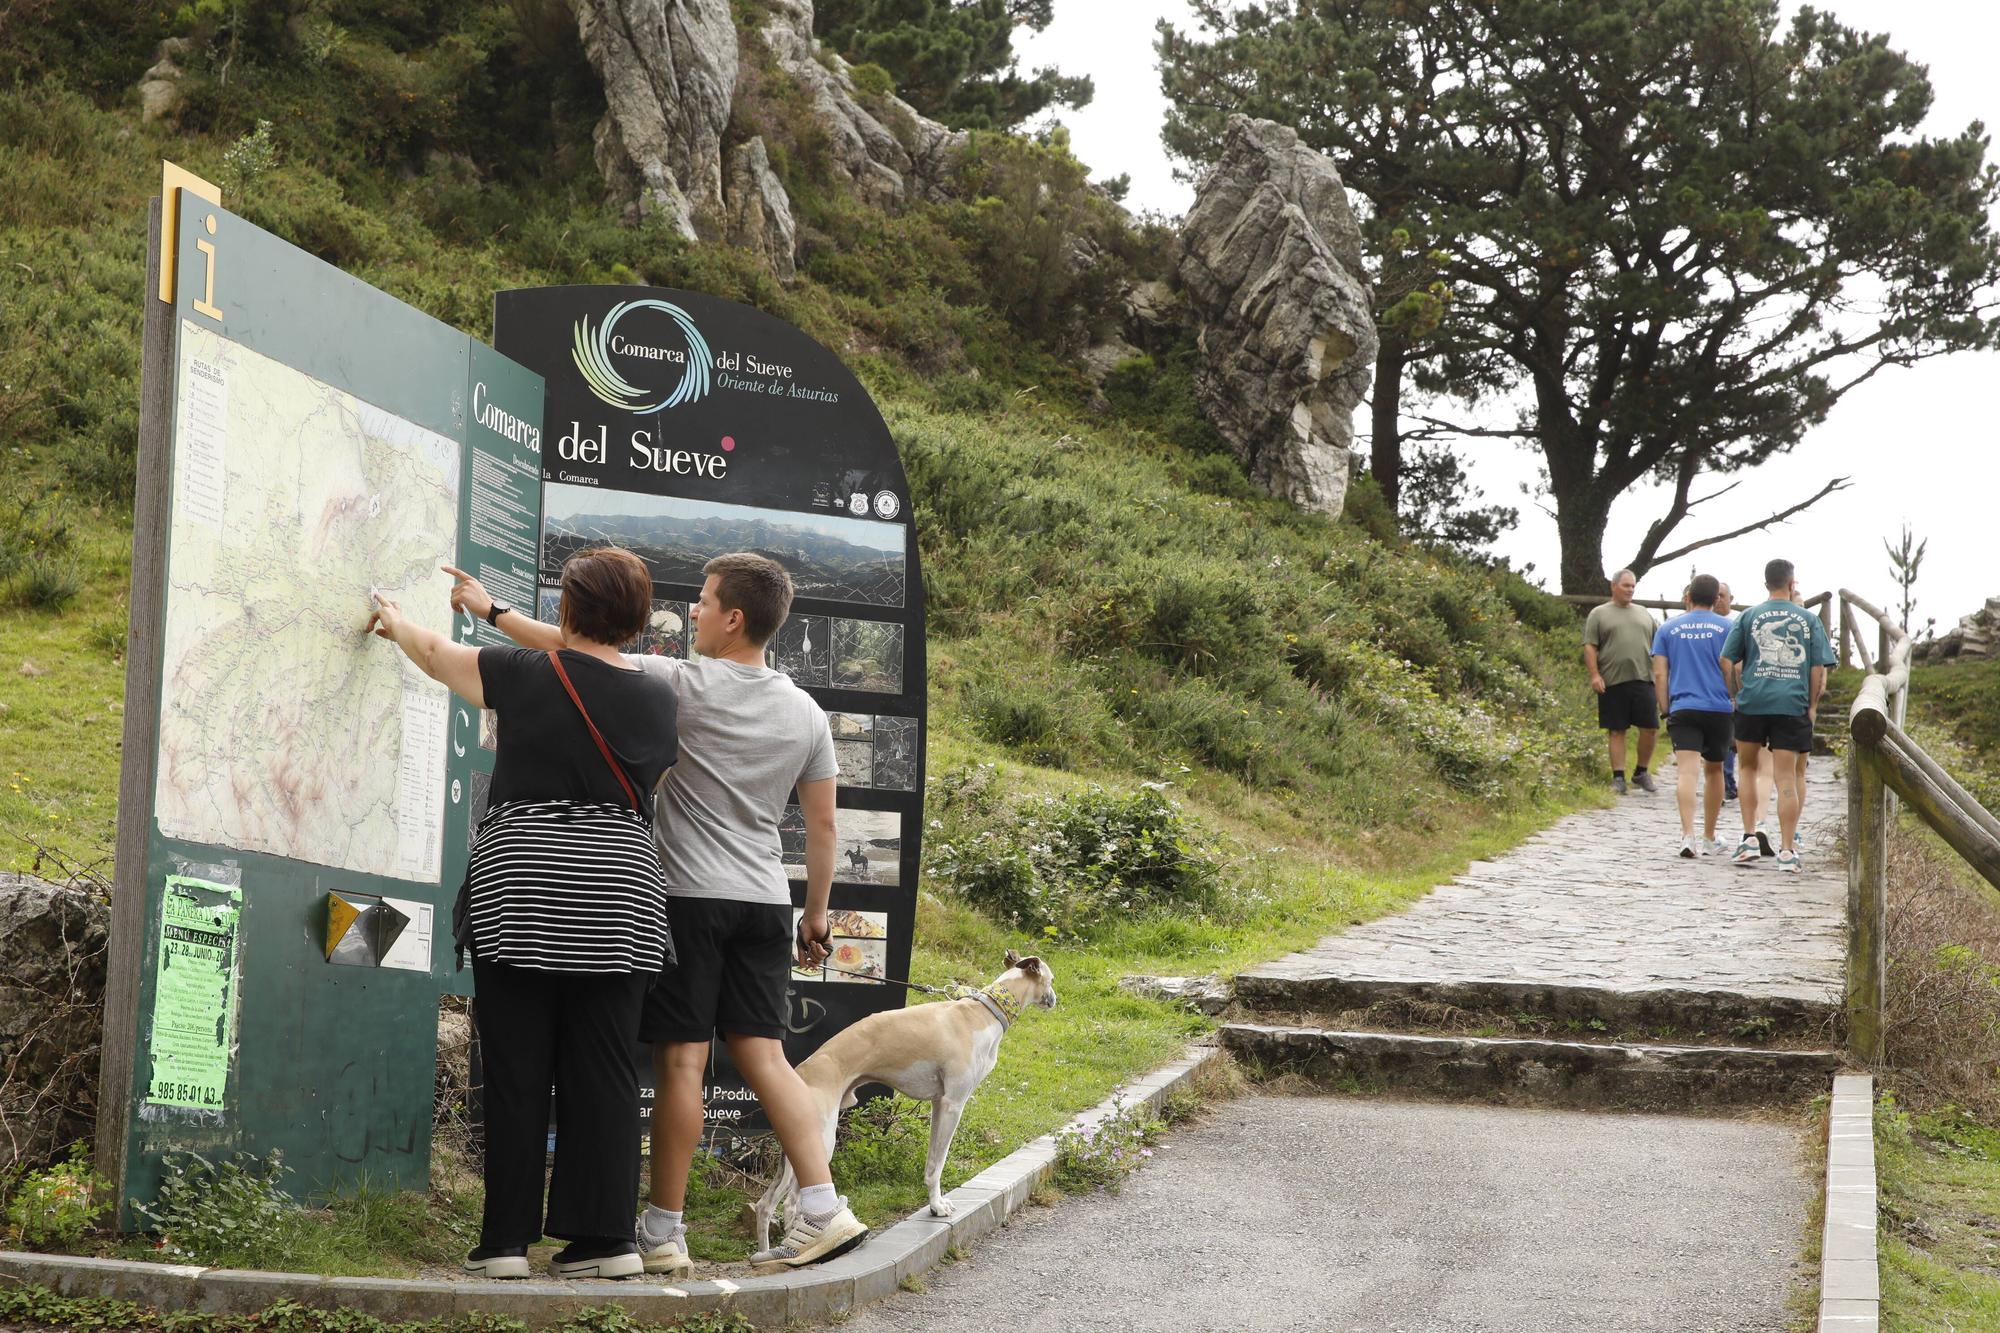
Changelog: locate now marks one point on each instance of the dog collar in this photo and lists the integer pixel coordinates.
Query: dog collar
(1003, 1004)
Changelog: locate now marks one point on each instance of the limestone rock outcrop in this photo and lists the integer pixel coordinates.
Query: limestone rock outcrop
(1976, 635)
(889, 158)
(669, 72)
(160, 85)
(759, 210)
(52, 968)
(1271, 263)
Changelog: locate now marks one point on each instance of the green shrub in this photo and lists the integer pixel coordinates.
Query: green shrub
(871, 80)
(49, 583)
(54, 1207)
(247, 160)
(1063, 865)
(213, 1212)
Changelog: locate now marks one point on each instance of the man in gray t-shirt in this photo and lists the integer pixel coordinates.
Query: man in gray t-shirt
(749, 738)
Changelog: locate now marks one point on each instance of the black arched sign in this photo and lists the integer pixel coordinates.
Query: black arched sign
(681, 426)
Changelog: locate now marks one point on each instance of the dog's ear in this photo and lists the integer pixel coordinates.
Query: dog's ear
(1032, 966)
(1013, 959)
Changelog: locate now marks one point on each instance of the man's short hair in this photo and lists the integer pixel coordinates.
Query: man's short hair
(1778, 574)
(756, 585)
(1702, 592)
(607, 593)
(1624, 573)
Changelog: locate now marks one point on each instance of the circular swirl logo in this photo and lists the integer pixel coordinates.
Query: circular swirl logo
(591, 350)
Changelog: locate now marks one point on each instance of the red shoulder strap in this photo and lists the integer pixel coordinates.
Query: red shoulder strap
(555, 660)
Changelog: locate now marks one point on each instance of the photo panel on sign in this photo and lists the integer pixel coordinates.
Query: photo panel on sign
(868, 845)
(548, 605)
(860, 948)
(801, 650)
(895, 754)
(867, 655)
(489, 729)
(831, 557)
(666, 633)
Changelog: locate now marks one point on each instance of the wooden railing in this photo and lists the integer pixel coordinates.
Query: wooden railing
(1883, 759)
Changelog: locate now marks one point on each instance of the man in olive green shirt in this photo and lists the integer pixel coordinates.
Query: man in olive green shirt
(1618, 649)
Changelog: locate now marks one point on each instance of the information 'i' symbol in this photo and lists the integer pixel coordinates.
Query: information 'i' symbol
(206, 305)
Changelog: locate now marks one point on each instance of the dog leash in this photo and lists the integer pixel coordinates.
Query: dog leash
(1004, 1007)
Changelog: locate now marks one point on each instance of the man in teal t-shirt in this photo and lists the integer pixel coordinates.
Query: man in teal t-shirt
(1778, 654)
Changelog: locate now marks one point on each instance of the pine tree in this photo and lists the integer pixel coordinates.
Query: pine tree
(953, 60)
(1678, 231)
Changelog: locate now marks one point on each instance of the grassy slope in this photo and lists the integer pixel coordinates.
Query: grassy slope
(1938, 1169)
(1355, 719)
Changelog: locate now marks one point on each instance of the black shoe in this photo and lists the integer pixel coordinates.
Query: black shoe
(1728, 791)
(497, 1261)
(606, 1257)
(1764, 843)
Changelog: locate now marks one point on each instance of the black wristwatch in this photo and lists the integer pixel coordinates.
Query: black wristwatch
(493, 613)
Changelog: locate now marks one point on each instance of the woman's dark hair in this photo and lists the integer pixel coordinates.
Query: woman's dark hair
(606, 594)
(756, 585)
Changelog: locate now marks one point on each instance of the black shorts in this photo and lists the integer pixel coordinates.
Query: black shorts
(1629, 703)
(1776, 731)
(1697, 729)
(735, 966)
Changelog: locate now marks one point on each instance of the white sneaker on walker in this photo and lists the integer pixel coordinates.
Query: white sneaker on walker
(808, 1242)
(669, 1256)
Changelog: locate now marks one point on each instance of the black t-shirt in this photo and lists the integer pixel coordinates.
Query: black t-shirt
(546, 753)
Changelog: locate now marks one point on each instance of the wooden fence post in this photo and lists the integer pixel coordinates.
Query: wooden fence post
(1867, 898)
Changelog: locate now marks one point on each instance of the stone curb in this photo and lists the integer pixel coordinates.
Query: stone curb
(1850, 1288)
(911, 1247)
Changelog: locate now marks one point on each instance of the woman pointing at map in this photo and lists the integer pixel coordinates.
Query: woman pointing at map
(568, 911)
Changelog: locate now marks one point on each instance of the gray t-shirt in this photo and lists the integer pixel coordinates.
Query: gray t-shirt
(748, 735)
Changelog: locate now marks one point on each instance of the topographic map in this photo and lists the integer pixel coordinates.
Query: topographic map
(283, 727)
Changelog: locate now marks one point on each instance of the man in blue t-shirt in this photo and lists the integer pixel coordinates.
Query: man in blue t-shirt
(1694, 697)
(1778, 654)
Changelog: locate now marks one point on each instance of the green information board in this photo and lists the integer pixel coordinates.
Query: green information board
(297, 798)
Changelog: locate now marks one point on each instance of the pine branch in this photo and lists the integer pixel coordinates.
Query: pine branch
(1837, 484)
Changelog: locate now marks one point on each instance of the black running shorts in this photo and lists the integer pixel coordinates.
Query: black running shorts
(735, 966)
(1629, 703)
(1695, 729)
(1776, 731)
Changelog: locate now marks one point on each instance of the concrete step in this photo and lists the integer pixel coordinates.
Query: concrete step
(1288, 989)
(1615, 1075)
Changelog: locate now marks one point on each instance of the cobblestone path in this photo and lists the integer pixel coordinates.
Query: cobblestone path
(1602, 899)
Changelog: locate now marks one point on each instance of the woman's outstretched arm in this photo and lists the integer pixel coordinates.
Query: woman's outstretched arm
(453, 665)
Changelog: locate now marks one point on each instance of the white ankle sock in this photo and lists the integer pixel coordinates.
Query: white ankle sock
(659, 1223)
(818, 1200)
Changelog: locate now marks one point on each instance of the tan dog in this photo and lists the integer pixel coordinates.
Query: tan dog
(937, 1053)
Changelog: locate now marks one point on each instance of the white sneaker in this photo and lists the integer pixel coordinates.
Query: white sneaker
(669, 1256)
(1747, 853)
(808, 1242)
(1714, 847)
(1788, 862)
(1688, 852)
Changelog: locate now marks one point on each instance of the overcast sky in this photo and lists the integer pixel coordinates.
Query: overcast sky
(1920, 443)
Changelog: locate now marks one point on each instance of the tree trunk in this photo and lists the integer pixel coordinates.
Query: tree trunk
(1385, 462)
(1581, 516)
